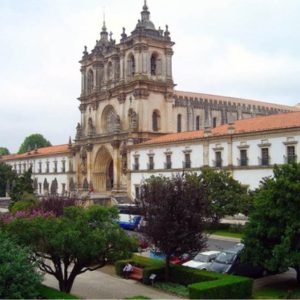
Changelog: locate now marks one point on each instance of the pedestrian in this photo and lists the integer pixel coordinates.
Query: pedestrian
(127, 270)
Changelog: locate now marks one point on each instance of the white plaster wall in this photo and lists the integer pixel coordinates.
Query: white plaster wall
(250, 177)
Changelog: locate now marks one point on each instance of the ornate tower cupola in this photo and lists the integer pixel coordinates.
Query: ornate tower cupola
(104, 33)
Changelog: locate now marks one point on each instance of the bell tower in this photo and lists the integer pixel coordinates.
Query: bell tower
(126, 98)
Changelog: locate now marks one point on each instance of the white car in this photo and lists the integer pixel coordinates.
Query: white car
(202, 260)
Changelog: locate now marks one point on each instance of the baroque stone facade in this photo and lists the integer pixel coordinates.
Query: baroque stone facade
(127, 97)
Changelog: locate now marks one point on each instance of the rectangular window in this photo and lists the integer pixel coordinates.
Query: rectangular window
(187, 161)
(40, 167)
(55, 167)
(265, 159)
(168, 164)
(63, 168)
(243, 158)
(151, 163)
(218, 162)
(47, 166)
(136, 165)
(214, 122)
(291, 154)
(137, 191)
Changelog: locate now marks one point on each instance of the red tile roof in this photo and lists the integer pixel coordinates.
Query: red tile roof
(265, 123)
(234, 100)
(46, 151)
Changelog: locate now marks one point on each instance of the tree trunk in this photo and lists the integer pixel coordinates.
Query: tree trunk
(167, 268)
(298, 275)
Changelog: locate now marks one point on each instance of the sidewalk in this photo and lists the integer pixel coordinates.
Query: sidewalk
(100, 285)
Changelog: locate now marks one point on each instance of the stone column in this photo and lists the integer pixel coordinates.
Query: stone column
(83, 81)
(117, 165)
(169, 54)
(98, 77)
(122, 66)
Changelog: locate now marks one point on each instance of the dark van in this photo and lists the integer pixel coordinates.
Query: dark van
(229, 262)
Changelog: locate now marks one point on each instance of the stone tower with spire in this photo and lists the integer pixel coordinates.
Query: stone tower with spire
(126, 98)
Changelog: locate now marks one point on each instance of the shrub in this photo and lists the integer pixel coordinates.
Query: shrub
(232, 287)
(201, 284)
(18, 276)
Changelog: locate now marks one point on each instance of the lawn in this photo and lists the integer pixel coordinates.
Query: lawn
(173, 288)
(226, 233)
(50, 293)
(278, 291)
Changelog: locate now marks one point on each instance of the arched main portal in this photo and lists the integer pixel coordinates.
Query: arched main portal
(103, 171)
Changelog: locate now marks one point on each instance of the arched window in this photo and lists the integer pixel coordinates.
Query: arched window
(198, 123)
(109, 71)
(156, 120)
(154, 64)
(90, 83)
(179, 128)
(131, 65)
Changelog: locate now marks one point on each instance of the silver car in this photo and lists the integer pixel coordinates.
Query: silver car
(202, 260)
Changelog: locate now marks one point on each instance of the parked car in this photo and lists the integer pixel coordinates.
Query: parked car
(176, 259)
(202, 260)
(229, 262)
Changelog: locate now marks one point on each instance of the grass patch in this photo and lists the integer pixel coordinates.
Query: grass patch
(226, 233)
(174, 288)
(50, 293)
(286, 290)
(137, 297)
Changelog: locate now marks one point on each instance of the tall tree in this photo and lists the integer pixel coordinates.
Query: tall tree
(32, 141)
(4, 151)
(272, 235)
(81, 239)
(23, 184)
(175, 210)
(226, 195)
(7, 175)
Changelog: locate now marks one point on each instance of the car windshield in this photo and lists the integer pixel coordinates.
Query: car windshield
(201, 258)
(225, 257)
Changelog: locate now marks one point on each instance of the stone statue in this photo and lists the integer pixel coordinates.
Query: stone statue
(133, 120)
(90, 127)
(78, 131)
(83, 163)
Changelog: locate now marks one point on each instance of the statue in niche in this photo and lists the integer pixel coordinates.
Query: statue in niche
(78, 131)
(133, 120)
(83, 161)
(91, 128)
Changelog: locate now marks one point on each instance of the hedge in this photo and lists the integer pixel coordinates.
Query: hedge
(233, 287)
(201, 284)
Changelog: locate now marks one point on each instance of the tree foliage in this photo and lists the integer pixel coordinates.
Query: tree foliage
(22, 184)
(175, 210)
(18, 278)
(272, 235)
(6, 175)
(226, 195)
(78, 241)
(32, 141)
(4, 151)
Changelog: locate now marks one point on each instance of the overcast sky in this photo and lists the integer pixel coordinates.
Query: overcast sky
(242, 48)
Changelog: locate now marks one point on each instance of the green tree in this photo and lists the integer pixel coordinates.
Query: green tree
(7, 176)
(272, 235)
(78, 241)
(4, 151)
(32, 141)
(22, 185)
(18, 278)
(226, 195)
(175, 211)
